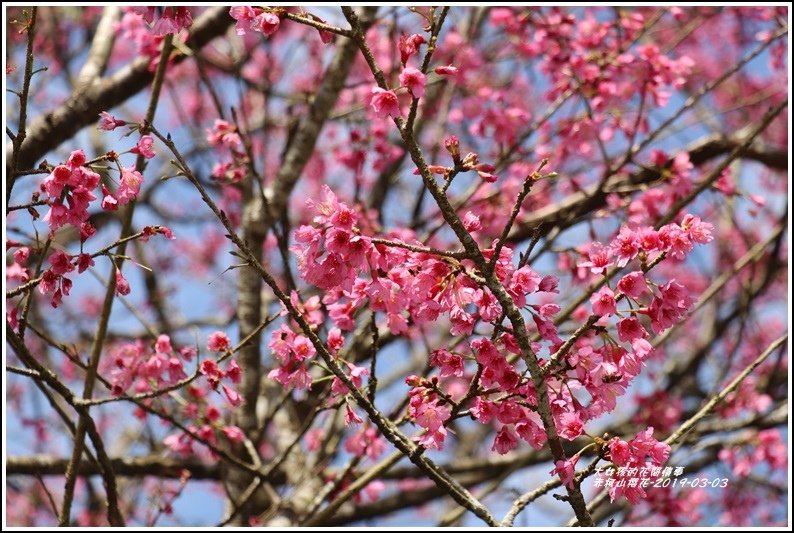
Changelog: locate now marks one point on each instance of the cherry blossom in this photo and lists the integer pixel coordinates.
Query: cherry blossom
(218, 341)
(414, 80)
(108, 122)
(385, 103)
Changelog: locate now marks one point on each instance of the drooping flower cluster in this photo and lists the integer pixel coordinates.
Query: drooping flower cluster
(209, 368)
(605, 370)
(386, 103)
(70, 187)
(136, 365)
(428, 411)
(223, 136)
(402, 283)
(600, 59)
(646, 243)
(206, 424)
(69, 192)
(147, 27)
(357, 271)
(165, 20)
(583, 88)
(294, 352)
(641, 457)
(254, 19)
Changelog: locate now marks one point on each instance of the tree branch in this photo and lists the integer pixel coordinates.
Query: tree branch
(575, 207)
(48, 131)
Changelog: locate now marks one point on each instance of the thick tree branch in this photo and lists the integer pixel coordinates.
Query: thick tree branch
(46, 465)
(577, 206)
(101, 46)
(48, 131)
(260, 213)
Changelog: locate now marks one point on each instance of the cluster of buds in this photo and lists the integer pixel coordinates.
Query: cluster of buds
(421, 382)
(484, 170)
(471, 162)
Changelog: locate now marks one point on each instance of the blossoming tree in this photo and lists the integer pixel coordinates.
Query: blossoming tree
(503, 266)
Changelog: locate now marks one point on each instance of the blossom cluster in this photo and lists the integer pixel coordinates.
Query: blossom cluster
(145, 368)
(68, 191)
(164, 20)
(206, 421)
(224, 137)
(411, 285)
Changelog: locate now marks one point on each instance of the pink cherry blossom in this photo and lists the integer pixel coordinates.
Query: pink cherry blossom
(505, 441)
(122, 285)
(108, 122)
(163, 344)
(244, 15)
(644, 445)
(109, 202)
(566, 469)
(145, 147)
(633, 284)
(446, 70)
(699, 231)
(234, 433)
(531, 430)
(433, 439)
(61, 262)
(18, 273)
(525, 281)
(225, 134)
(130, 185)
(599, 258)
(483, 410)
(471, 222)
(619, 452)
(385, 103)
(234, 372)
(267, 23)
(218, 341)
(630, 329)
(172, 20)
(604, 302)
(335, 340)
(431, 414)
(414, 80)
(234, 398)
(409, 46)
(381, 282)
(210, 368)
(76, 159)
(351, 417)
(625, 246)
(449, 363)
(570, 426)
